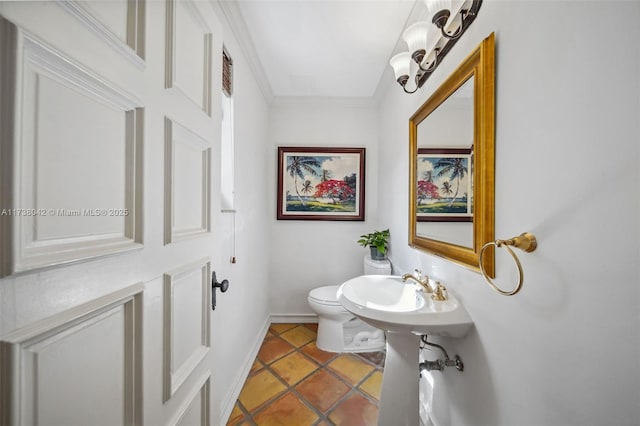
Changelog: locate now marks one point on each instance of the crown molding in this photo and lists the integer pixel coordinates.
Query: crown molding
(231, 12)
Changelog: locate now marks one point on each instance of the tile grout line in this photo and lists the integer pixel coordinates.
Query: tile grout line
(291, 388)
(288, 388)
(352, 389)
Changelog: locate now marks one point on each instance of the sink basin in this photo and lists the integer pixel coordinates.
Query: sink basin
(381, 293)
(388, 303)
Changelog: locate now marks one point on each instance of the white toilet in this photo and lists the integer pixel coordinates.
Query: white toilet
(338, 329)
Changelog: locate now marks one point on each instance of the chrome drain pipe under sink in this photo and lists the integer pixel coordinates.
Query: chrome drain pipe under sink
(439, 364)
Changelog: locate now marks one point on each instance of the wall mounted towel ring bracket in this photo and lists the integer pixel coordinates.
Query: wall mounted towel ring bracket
(526, 242)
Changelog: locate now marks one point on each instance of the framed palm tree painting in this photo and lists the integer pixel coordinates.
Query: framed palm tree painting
(320, 183)
(445, 185)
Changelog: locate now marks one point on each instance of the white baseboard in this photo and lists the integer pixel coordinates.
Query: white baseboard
(293, 318)
(226, 407)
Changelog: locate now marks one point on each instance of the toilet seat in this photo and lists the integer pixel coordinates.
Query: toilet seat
(326, 295)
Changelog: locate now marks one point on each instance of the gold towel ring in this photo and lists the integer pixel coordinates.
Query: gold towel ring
(526, 241)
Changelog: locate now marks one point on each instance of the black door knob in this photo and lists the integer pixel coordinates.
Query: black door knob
(223, 286)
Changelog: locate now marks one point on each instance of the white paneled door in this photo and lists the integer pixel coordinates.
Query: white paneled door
(109, 126)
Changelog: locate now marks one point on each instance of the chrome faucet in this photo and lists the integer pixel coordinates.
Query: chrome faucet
(423, 281)
(437, 293)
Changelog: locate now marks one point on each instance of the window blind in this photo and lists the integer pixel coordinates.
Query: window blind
(227, 74)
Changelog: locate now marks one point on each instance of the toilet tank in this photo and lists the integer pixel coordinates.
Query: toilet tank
(376, 267)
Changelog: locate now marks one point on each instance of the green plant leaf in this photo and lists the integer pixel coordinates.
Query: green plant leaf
(377, 239)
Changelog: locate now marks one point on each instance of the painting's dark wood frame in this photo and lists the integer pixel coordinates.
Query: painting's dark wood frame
(282, 150)
(449, 152)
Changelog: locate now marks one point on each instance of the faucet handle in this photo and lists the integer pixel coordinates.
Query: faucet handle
(424, 279)
(439, 294)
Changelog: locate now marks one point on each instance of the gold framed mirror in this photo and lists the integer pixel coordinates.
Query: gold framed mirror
(451, 164)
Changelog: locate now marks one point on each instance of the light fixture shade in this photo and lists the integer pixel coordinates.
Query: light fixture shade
(435, 6)
(401, 64)
(416, 36)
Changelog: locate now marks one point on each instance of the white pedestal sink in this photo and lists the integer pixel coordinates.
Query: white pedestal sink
(404, 312)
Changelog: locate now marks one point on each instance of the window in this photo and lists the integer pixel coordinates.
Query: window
(227, 148)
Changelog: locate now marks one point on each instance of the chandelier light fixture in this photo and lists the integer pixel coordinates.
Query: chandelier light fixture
(429, 41)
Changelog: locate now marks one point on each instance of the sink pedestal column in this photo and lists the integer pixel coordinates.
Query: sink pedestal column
(399, 399)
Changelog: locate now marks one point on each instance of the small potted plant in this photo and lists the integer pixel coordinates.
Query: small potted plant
(378, 242)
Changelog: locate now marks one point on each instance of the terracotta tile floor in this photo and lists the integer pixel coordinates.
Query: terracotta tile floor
(294, 383)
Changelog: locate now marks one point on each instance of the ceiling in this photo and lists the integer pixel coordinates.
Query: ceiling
(321, 48)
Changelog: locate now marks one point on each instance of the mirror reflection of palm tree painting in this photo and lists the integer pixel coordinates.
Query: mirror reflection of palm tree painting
(321, 183)
(445, 185)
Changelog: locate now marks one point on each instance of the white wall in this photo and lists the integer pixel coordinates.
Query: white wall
(564, 351)
(307, 254)
(240, 320)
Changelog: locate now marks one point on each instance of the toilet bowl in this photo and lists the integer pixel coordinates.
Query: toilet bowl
(338, 329)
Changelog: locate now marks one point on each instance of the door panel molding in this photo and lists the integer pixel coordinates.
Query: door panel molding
(8, 128)
(200, 393)
(178, 69)
(28, 358)
(132, 46)
(81, 231)
(181, 299)
(178, 137)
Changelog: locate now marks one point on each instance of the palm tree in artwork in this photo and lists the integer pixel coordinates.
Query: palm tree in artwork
(298, 167)
(446, 188)
(456, 168)
(326, 175)
(307, 187)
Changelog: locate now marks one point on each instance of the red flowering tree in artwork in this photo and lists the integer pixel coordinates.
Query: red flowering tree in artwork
(337, 190)
(426, 190)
